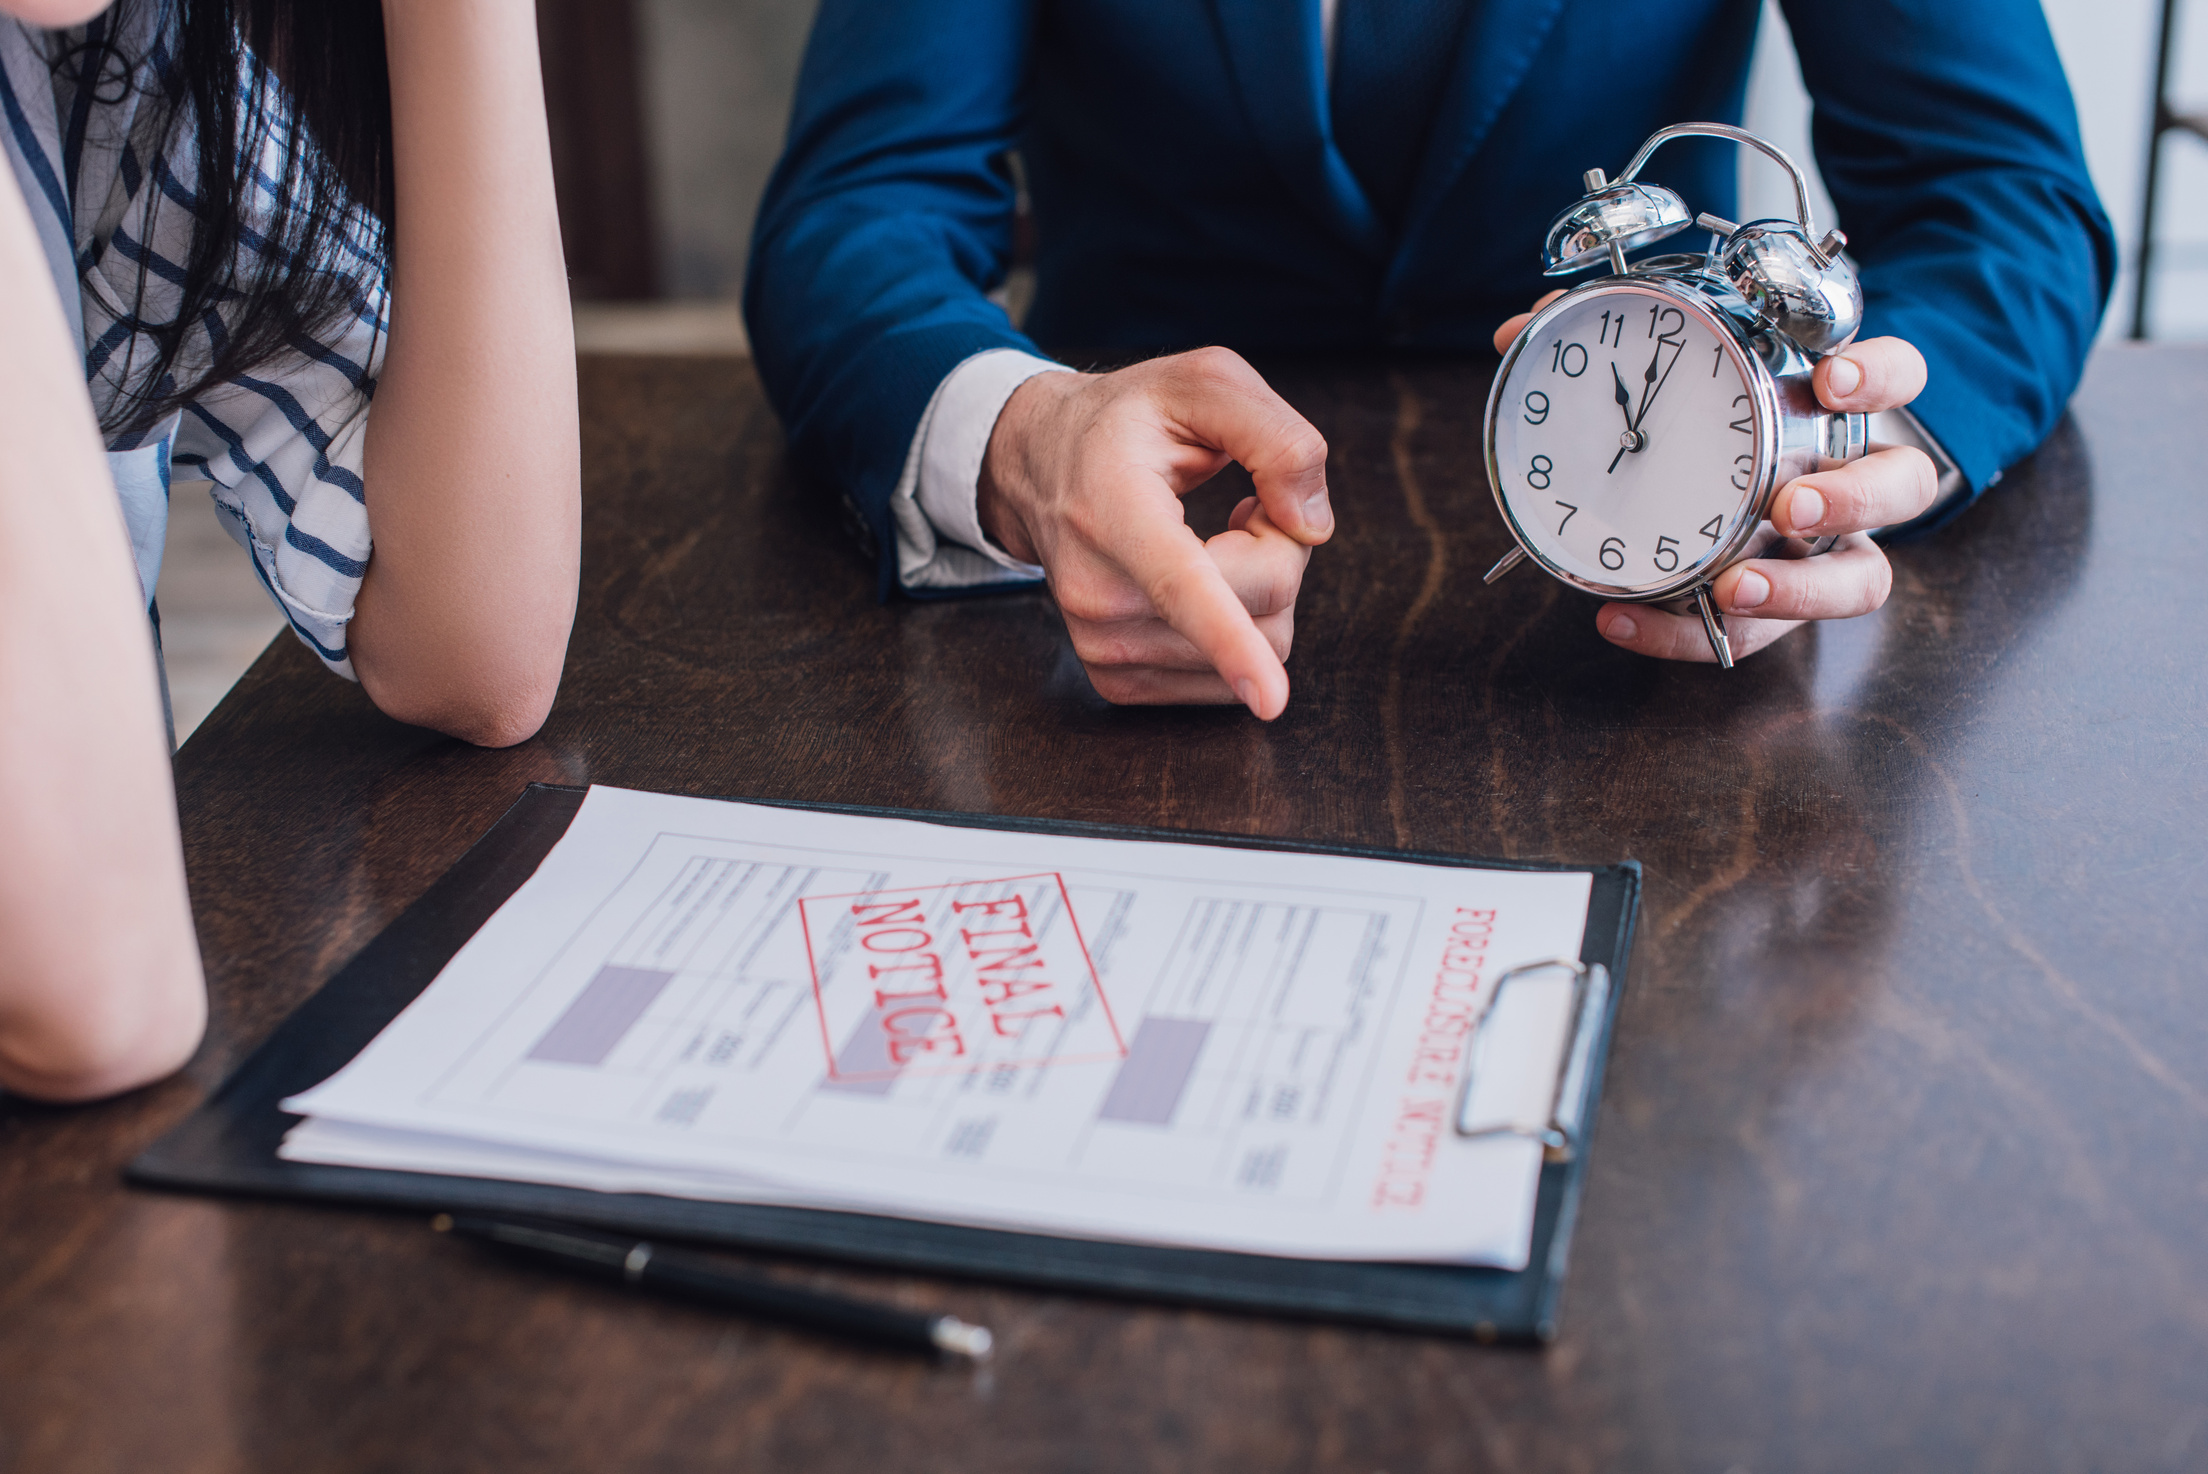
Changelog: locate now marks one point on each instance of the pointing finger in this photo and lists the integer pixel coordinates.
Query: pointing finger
(1261, 564)
(1191, 594)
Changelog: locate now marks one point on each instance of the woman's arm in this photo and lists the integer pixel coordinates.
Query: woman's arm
(100, 986)
(473, 468)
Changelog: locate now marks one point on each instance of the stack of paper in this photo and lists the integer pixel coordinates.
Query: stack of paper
(1165, 1043)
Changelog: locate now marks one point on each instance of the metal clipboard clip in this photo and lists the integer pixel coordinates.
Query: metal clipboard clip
(1540, 1090)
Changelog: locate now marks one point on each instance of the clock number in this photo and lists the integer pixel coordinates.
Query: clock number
(1720, 361)
(1560, 359)
(1742, 424)
(1672, 334)
(1537, 407)
(1570, 512)
(1538, 476)
(1713, 527)
(1612, 554)
(1747, 464)
(1617, 338)
(1666, 547)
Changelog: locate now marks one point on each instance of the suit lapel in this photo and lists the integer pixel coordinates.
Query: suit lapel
(1501, 38)
(1276, 58)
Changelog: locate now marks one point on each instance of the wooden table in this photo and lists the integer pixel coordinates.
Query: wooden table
(1903, 1162)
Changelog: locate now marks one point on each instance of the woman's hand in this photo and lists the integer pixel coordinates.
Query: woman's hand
(1763, 598)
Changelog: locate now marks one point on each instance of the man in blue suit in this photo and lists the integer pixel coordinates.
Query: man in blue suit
(1315, 174)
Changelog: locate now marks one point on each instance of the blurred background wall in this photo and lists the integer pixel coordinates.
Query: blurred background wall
(716, 76)
(719, 75)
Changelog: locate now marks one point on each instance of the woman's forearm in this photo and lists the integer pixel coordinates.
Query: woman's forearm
(473, 467)
(100, 985)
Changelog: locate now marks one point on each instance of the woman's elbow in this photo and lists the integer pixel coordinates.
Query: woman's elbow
(505, 723)
(486, 713)
(111, 1037)
(489, 690)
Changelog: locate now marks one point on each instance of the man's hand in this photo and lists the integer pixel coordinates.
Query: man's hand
(1084, 475)
(1763, 598)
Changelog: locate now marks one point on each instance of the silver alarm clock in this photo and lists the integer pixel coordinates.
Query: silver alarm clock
(1641, 423)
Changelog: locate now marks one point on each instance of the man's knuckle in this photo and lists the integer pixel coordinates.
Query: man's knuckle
(1170, 588)
(1101, 604)
(1120, 687)
(1082, 605)
(1305, 449)
(1877, 587)
(1107, 648)
(1087, 524)
(1927, 477)
(1674, 639)
(1215, 367)
(1879, 377)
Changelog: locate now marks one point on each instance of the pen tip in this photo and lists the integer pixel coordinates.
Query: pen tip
(956, 1338)
(442, 1223)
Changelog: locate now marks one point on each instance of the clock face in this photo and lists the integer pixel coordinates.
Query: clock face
(1625, 440)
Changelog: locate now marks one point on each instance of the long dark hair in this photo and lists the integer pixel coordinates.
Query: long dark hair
(302, 83)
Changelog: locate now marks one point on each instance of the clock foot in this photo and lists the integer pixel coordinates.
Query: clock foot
(1509, 561)
(1713, 625)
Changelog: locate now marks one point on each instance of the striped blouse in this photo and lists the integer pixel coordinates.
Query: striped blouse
(282, 445)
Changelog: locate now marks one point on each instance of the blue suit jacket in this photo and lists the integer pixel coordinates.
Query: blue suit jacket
(1186, 191)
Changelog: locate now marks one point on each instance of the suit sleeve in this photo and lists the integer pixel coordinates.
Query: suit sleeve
(885, 224)
(1946, 134)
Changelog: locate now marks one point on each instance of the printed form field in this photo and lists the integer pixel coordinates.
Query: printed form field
(1245, 1028)
(1249, 1062)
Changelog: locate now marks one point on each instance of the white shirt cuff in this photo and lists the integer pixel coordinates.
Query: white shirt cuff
(940, 544)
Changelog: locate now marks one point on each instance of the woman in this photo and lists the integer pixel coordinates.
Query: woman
(370, 213)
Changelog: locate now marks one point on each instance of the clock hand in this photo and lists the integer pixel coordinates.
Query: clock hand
(1648, 384)
(1657, 387)
(1631, 439)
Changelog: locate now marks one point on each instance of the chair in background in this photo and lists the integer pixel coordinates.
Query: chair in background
(2166, 120)
(600, 165)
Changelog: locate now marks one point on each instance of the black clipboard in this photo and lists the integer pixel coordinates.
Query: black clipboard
(229, 1144)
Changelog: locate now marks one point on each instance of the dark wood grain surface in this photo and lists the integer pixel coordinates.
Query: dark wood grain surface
(1903, 1162)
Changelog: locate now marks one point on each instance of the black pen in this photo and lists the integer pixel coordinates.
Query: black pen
(695, 1278)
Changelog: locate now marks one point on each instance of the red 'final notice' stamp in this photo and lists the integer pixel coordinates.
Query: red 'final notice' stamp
(953, 979)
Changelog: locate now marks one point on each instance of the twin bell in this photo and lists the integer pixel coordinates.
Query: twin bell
(1795, 281)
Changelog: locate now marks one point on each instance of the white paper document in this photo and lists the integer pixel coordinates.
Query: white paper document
(1165, 1043)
